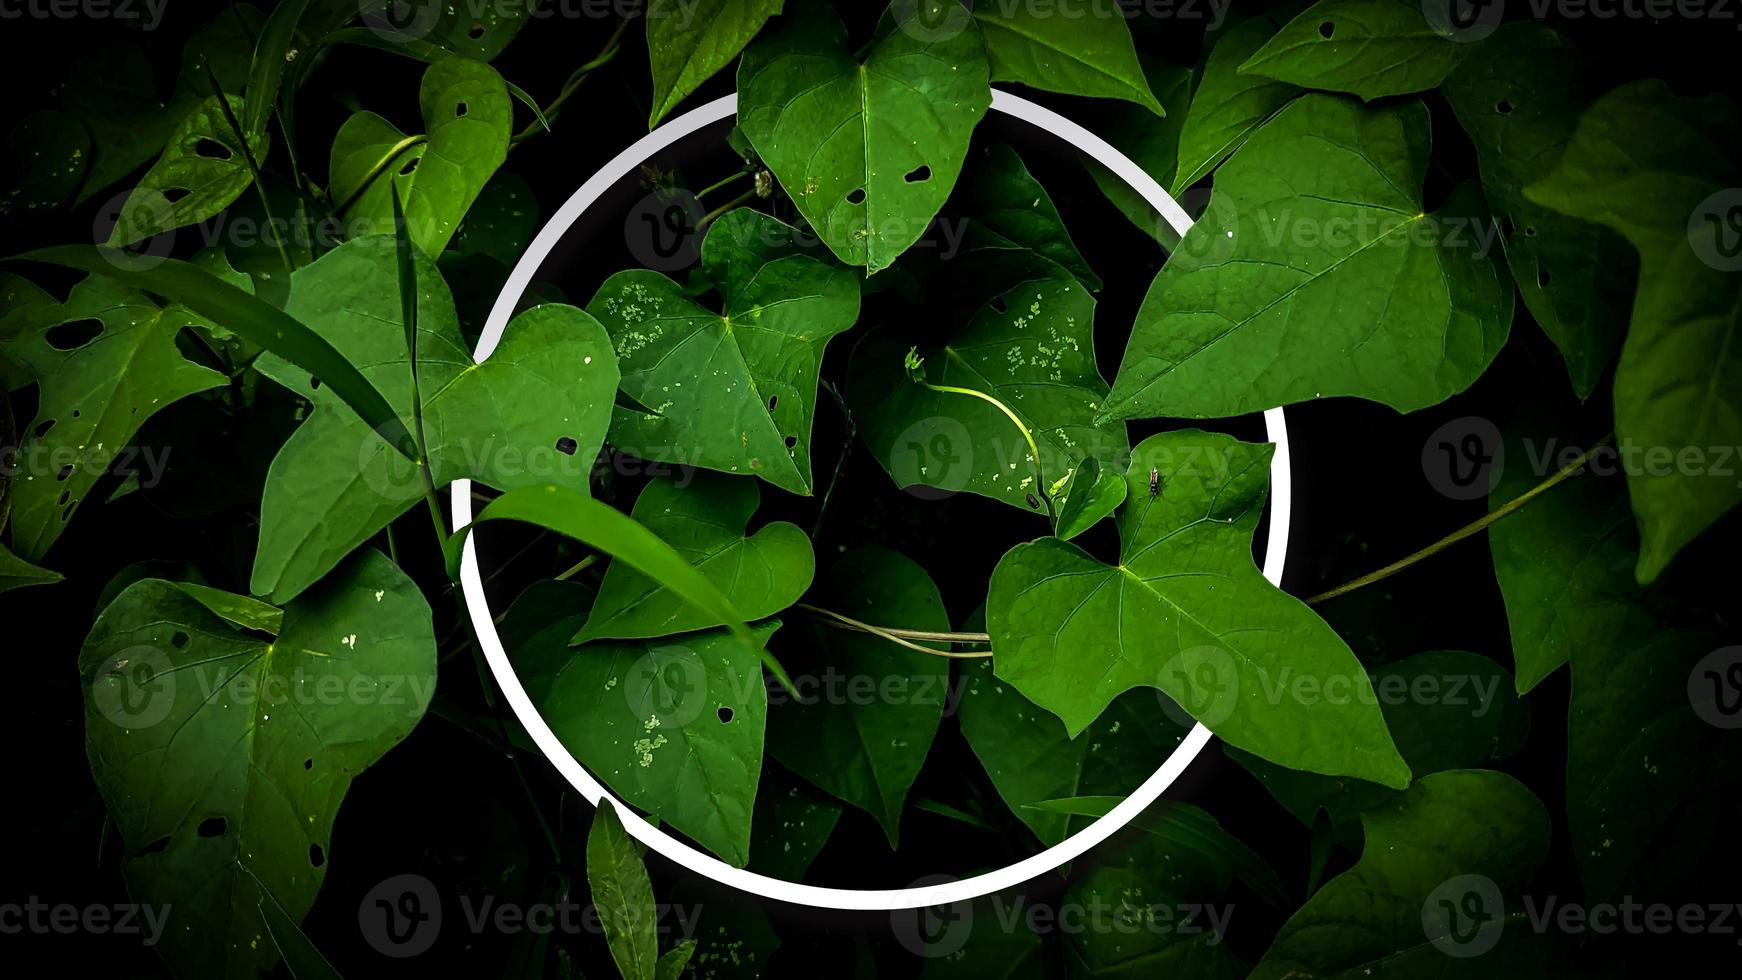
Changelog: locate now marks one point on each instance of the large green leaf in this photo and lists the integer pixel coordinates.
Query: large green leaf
(1152, 143)
(1089, 54)
(1370, 48)
(623, 894)
(704, 519)
(223, 754)
(467, 118)
(1227, 105)
(203, 169)
(733, 391)
(1316, 273)
(687, 42)
(534, 413)
(1445, 710)
(793, 822)
(1031, 758)
(16, 573)
(1031, 346)
(864, 711)
(673, 726)
(868, 148)
(1187, 611)
(104, 361)
(1520, 102)
(1445, 830)
(1661, 170)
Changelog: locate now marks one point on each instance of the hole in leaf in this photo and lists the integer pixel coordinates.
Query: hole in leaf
(917, 174)
(1503, 107)
(43, 427)
(410, 165)
(65, 472)
(211, 149)
(459, 109)
(316, 856)
(213, 827)
(856, 196)
(1506, 227)
(65, 495)
(155, 846)
(476, 32)
(1327, 29)
(791, 441)
(179, 640)
(1542, 277)
(725, 714)
(773, 400)
(314, 384)
(1530, 231)
(174, 194)
(73, 335)
(999, 305)
(75, 413)
(308, 763)
(566, 446)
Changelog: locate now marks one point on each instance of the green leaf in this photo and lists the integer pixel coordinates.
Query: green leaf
(105, 361)
(1092, 495)
(1186, 611)
(1659, 169)
(675, 961)
(1004, 200)
(1329, 281)
(223, 757)
(866, 748)
(262, 324)
(1444, 709)
(16, 573)
(1520, 103)
(793, 822)
(867, 148)
(573, 514)
(1151, 143)
(534, 413)
(1090, 54)
(50, 151)
(203, 169)
(1188, 827)
(623, 894)
(1129, 886)
(1370, 48)
(301, 959)
(1031, 758)
(468, 120)
(689, 41)
(704, 519)
(1418, 849)
(674, 726)
(1031, 346)
(733, 391)
(272, 54)
(1227, 106)
(992, 950)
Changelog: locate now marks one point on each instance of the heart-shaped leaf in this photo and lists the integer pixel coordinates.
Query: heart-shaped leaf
(864, 710)
(1660, 170)
(1090, 54)
(704, 519)
(733, 391)
(1186, 611)
(468, 118)
(1370, 48)
(223, 754)
(534, 413)
(673, 726)
(203, 169)
(1315, 273)
(688, 41)
(867, 147)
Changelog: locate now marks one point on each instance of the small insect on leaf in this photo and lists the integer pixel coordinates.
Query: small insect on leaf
(1154, 482)
(1033, 502)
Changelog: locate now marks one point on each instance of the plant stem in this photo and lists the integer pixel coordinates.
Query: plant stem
(901, 637)
(253, 165)
(1467, 530)
(1040, 486)
(603, 58)
(708, 219)
(376, 170)
(576, 568)
(716, 185)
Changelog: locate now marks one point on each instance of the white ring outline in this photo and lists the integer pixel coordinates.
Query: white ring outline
(706, 865)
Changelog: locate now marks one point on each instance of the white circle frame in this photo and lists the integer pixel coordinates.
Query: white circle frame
(471, 580)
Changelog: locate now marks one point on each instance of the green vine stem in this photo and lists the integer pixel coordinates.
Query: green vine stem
(916, 372)
(1467, 530)
(579, 75)
(900, 637)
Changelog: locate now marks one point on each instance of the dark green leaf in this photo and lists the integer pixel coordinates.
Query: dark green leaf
(1088, 54)
(1227, 105)
(1370, 48)
(16, 573)
(689, 41)
(623, 894)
